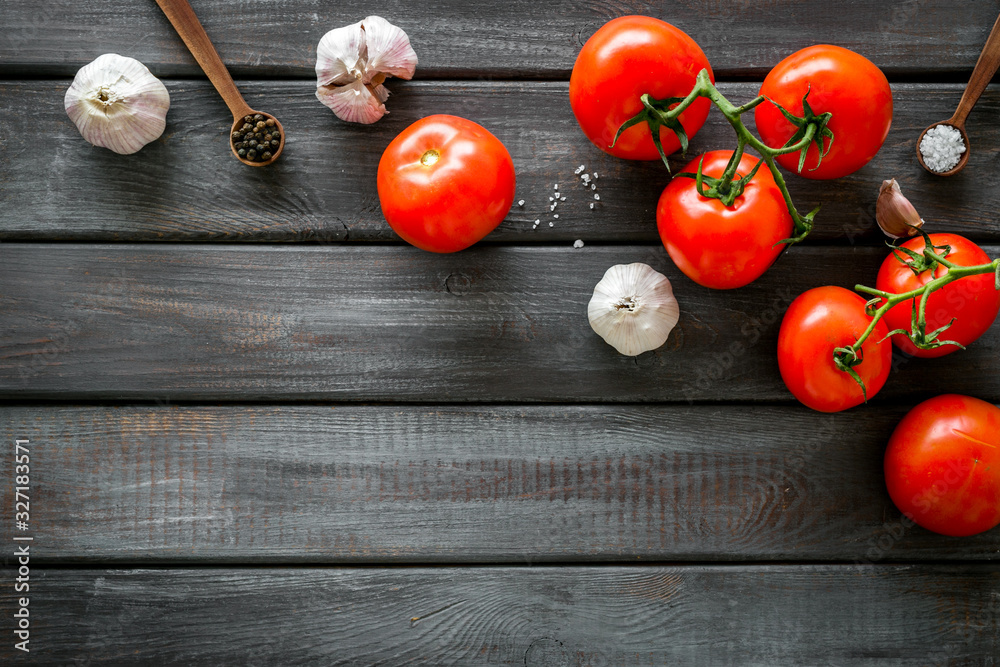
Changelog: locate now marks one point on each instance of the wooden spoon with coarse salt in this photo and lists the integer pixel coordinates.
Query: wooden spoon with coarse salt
(986, 67)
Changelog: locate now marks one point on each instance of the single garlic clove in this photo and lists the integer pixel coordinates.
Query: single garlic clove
(633, 308)
(339, 58)
(389, 49)
(353, 61)
(117, 103)
(894, 213)
(354, 103)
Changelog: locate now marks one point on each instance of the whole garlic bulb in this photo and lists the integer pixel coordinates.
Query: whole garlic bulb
(117, 103)
(633, 308)
(353, 61)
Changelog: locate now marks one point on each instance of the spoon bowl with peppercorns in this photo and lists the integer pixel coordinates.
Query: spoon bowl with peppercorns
(256, 138)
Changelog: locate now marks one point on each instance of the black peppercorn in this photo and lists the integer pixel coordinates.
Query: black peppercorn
(258, 117)
(246, 127)
(270, 122)
(252, 143)
(252, 154)
(266, 155)
(247, 119)
(267, 137)
(241, 152)
(275, 143)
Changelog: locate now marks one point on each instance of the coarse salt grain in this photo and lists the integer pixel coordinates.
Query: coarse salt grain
(556, 215)
(597, 196)
(591, 206)
(552, 224)
(562, 198)
(593, 186)
(578, 243)
(942, 147)
(520, 202)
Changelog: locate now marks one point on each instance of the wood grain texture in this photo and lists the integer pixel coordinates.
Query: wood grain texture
(187, 187)
(522, 485)
(524, 617)
(518, 38)
(372, 323)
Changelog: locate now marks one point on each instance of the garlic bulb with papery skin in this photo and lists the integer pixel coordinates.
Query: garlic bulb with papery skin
(117, 103)
(633, 308)
(353, 61)
(894, 213)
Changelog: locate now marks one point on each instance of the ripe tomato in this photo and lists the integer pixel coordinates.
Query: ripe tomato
(625, 58)
(973, 301)
(719, 246)
(817, 322)
(942, 466)
(840, 81)
(445, 183)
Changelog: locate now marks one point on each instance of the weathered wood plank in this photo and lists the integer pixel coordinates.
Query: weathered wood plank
(518, 38)
(379, 323)
(187, 186)
(534, 617)
(464, 484)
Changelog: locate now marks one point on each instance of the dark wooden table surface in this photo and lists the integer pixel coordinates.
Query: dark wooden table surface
(263, 431)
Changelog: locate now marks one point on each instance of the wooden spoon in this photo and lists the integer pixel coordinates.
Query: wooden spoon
(986, 67)
(187, 25)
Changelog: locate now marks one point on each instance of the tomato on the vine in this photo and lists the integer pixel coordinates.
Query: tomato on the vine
(942, 465)
(816, 323)
(721, 246)
(838, 81)
(444, 183)
(624, 59)
(972, 301)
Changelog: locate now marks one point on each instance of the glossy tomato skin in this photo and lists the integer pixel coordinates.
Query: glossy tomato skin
(625, 58)
(840, 81)
(444, 183)
(719, 246)
(973, 301)
(818, 321)
(942, 465)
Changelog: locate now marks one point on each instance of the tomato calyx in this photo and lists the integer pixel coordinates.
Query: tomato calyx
(846, 358)
(656, 114)
(725, 188)
(820, 131)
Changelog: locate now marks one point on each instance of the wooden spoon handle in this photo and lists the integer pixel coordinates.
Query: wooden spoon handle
(187, 25)
(986, 67)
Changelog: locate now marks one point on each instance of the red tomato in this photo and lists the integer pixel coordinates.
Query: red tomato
(817, 322)
(842, 82)
(973, 301)
(445, 183)
(719, 246)
(624, 59)
(942, 466)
